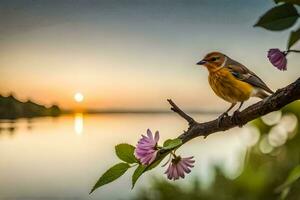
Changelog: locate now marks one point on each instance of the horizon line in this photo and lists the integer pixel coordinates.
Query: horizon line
(137, 111)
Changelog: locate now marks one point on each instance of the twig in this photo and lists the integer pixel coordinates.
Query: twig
(292, 50)
(176, 109)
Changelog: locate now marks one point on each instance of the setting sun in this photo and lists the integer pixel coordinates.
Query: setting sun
(78, 97)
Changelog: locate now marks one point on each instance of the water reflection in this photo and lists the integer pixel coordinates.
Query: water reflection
(8, 126)
(78, 123)
(33, 153)
(29, 124)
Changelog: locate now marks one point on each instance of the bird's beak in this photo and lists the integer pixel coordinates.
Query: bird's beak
(202, 62)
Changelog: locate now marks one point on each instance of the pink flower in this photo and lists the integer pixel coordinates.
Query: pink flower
(179, 166)
(278, 58)
(146, 149)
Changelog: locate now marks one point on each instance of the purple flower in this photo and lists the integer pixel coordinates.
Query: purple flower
(179, 166)
(146, 149)
(277, 58)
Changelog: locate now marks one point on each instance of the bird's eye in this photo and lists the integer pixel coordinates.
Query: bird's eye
(214, 59)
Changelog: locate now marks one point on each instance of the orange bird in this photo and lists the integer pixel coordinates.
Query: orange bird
(232, 81)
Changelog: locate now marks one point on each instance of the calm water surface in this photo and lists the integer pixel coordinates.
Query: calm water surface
(61, 158)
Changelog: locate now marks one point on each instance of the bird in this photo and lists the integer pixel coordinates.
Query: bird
(233, 82)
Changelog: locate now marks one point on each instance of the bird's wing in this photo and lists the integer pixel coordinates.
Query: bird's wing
(244, 74)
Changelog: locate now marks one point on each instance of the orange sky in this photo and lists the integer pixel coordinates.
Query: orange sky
(130, 56)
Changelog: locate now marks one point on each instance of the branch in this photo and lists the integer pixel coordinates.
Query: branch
(185, 116)
(279, 99)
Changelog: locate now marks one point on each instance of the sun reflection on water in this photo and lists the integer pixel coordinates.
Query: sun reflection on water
(78, 123)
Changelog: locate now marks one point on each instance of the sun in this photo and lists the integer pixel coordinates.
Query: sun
(78, 97)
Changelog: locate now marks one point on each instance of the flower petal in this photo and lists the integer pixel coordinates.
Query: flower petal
(149, 134)
(184, 167)
(180, 170)
(175, 173)
(156, 138)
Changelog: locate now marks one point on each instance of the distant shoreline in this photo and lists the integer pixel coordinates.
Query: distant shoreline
(146, 112)
(134, 112)
(12, 108)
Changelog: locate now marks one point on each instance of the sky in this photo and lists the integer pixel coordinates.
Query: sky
(131, 54)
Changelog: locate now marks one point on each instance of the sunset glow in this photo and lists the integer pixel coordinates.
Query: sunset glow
(45, 60)
(78, 97)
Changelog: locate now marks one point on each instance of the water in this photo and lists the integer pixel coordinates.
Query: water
(61, 158)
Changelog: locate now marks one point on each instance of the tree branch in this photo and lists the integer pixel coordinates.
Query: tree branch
(185, 116)
(279, 99)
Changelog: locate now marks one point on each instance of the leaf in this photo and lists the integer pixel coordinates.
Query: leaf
(279, 18)
(171, 144)
(288, 1)
(137, 173)
(294, 37)
(167, 142)
(126, 153)
(111, 174)
(293, 176)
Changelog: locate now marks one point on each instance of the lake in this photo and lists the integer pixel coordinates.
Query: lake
(63, 157)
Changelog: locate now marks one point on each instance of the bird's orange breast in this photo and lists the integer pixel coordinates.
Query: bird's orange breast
(226, 86)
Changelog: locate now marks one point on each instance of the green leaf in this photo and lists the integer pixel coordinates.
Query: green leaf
(294, 37)
(297, 2)
(293, 176)
(111, 174)
(171, 144)
(279, 18)
(137, 173)
(126, 153)
(167, 142)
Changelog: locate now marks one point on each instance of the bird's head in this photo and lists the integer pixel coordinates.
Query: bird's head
(213, 60)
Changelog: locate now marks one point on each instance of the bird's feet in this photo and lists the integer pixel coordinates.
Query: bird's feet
(236, 118)
(221, 117)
